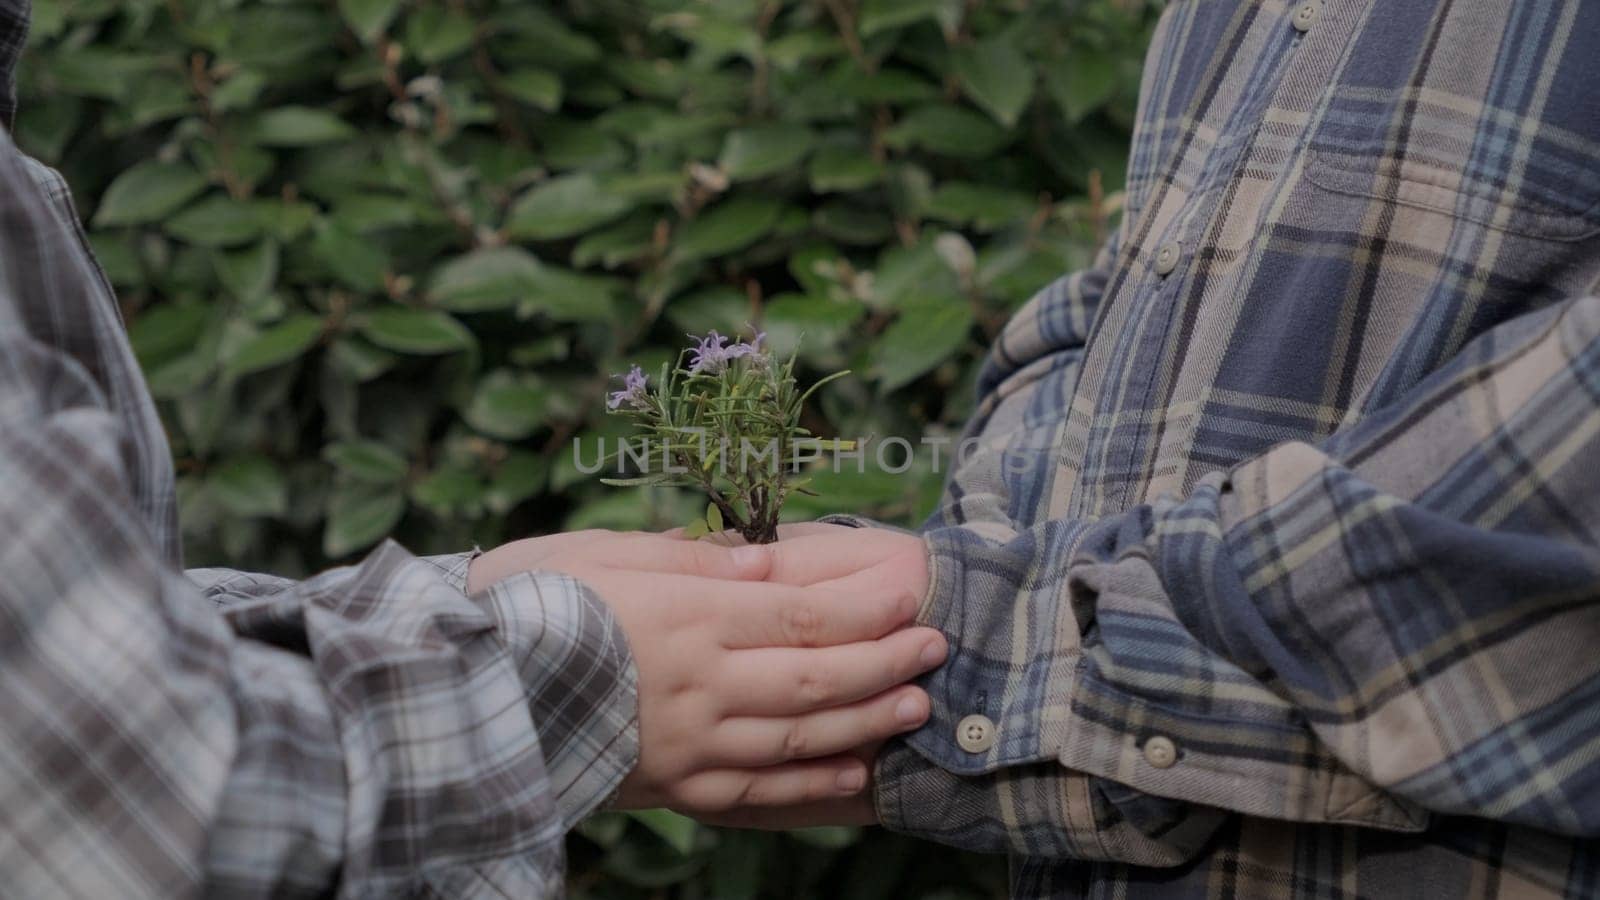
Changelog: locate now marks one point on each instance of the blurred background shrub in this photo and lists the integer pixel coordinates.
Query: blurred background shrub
(378, 259)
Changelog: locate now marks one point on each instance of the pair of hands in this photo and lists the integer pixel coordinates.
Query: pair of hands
(768, 675)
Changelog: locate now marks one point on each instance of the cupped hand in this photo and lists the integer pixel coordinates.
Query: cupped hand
(751, 692)
(837, 558)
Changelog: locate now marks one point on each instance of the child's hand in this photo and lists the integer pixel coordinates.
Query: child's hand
(750, 692)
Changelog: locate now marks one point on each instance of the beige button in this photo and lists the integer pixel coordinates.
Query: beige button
(1305, 15)
(975, 734)
(1160, 752)
(1167, 257)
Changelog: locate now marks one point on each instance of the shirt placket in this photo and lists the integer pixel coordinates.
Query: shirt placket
(1288, 84)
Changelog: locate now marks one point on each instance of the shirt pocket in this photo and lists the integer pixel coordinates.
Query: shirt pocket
(1433, 114)
(1543, 199)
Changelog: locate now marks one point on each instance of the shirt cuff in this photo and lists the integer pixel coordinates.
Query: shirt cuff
(1176, 728)
(1013, 661)
(581, 681)
(1082, 752)
(453, 567)
(1038, 810)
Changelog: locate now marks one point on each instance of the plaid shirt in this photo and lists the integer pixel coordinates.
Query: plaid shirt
(1277, 572)
(13, 33)
(372, 731)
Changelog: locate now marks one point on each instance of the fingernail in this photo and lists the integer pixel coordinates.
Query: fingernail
(908, 607)
(908, 711)
(933, 654)
(748, 557)
(851, 781)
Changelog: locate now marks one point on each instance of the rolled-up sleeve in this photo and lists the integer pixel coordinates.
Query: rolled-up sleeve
(1395, 622)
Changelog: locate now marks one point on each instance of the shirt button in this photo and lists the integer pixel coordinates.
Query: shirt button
(1167, 257)
(1160, 752)
(975, 734)
(1305, 15)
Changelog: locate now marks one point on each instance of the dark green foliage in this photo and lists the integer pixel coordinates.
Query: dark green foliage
(378, 258)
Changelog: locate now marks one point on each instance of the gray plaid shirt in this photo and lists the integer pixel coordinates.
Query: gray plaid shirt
(372, 730)
(13, 32)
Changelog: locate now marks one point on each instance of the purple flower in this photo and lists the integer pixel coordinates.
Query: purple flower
(710, 356)
(632, 393)
(742, 349)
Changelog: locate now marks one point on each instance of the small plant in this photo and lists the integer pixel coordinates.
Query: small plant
(725, 419)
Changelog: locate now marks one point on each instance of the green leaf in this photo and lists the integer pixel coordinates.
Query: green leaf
(484, 279)
(535, 87)
(249, 486)
(359, 263)
(564, 206)
(853, 224)
(300, 126)
(449, 491)
(904, 274)
(924, 335)
(580, 145)
(499, 277)
(631, 239)
(370, 212)
(360, 361)
(239, 91)
(563, 295)
(818, 319)
(415, 331)
(791, 50)
(828, 837)
(659, 478)
(507, 406)
(997, 76)
(276, 345)
(883, 15)
(661, 186)
(720, 307)
(888, 85)
(678, 831)
(695, 530)
(603, 828)
(368, 18)
(949, 131)
(437, 32)
(286, 220)
(216, 221)
(844, 168)
(522, 475)
(764, 150)
(986, 206)
(713, 517)
(714, 38)
(148, 192)
(367, 461)
(360, 515)
(166, 330)
(732, 225)
(1081, 81)
(248, 274)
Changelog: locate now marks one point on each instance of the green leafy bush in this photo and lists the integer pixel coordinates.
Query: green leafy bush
(377, 258)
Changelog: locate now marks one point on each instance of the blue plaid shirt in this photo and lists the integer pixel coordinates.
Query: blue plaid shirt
(1277, 572)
